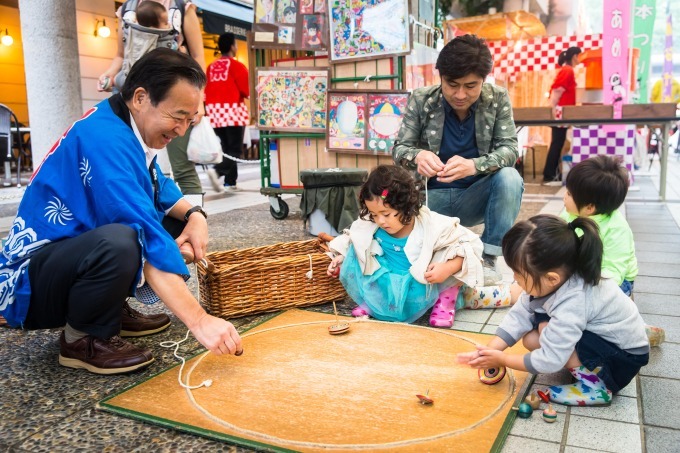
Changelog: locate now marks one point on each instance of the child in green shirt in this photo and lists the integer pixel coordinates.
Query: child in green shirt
(596, 188)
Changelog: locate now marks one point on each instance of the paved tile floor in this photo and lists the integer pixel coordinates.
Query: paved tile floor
(45, 407)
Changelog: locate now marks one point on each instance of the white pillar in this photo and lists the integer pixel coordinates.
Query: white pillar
(51, 63)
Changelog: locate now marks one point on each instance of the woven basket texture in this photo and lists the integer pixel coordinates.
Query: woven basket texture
(269, 278)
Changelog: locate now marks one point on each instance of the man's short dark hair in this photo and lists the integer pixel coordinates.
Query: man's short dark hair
(158, 71)
(465, 55)
(225, 41)
(601, 181)
(149, 14)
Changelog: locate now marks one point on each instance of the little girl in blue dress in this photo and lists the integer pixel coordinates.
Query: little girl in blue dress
(399, 258)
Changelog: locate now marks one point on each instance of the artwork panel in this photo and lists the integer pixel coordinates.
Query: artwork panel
(286, 11)
(314, 32)
(346, 121)
(385, 114)
(368, 29)
(292, 99)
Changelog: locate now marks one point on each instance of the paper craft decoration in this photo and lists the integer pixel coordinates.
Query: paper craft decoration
(364, 122)
(385, 113)
(362, 29)
(347, 121)
(290, 25)
(292, 99)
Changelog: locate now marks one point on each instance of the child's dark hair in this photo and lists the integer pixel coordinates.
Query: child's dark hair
(465, 55)
(399, 189)
(600, 181)
(149, 14)
(566, 56)
(546, 243)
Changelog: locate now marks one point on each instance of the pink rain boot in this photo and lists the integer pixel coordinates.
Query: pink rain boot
(444, 309)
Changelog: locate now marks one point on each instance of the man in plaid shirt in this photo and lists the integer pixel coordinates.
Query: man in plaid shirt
(461, 137)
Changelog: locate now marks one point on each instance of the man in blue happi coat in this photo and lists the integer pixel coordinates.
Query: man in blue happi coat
(96, 225)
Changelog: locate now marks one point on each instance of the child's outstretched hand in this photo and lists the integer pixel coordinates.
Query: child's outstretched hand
(334, 267)
(483, 358)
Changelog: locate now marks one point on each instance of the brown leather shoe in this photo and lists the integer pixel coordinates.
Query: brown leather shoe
(111, 356)
(136, 324)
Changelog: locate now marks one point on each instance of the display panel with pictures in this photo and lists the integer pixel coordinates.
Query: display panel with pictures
(290, 24)
(362, 29)
(292, 99)
(364, 122)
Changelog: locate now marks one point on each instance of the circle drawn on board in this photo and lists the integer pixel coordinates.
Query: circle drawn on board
(314, 375)
(382, 144)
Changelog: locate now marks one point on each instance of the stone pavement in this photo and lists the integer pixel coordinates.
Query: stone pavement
(46, 407)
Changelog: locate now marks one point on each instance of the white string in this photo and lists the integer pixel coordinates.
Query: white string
(175, 344)
(310, 273)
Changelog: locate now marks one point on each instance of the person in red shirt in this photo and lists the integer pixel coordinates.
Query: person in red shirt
(224, 104)
(562, 92)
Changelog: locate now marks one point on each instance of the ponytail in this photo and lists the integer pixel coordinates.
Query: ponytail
(589, 250)
(546, 243)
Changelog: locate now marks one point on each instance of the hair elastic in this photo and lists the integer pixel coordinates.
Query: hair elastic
(384, 194)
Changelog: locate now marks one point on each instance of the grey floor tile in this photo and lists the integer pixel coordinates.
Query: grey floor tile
(476, 316)
(643, 225)
(467, 326)
(653, 237)
(660, 403)
(662, 440)
(664, 362)
(656, 270)
(658, 285)
(656, 246)
(657, 258)
(516, 444)
(498, 316)
(535, 427)
(656, 304)
(630, 390)
(569, 449)
(490, 329)
(622, 409)
(603, 435)
(669, 229)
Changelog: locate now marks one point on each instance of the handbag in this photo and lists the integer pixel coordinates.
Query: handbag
(204, 145)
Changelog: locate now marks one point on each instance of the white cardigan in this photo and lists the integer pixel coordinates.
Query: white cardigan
(435, 238)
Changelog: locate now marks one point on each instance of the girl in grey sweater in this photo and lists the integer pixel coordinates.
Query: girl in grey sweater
(568, 316)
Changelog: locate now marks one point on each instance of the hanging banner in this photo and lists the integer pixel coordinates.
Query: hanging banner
(643, 29)
(668, 57)
(615, 30)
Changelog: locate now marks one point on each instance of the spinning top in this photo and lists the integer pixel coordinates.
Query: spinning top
(544, 396)
(549, 414)
(533, 400)
(337, 329)
(491, 376)
(424, 399)
(524, 411)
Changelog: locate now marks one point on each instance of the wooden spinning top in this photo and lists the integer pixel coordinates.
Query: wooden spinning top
(491, 376)
(533, 400)
(524, 411)
(549, 414)
(339, 327)
(424, 399)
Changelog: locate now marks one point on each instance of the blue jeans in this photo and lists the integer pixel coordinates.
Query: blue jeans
(493, 200)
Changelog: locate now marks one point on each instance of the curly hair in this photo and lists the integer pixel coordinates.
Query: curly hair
(403, 193)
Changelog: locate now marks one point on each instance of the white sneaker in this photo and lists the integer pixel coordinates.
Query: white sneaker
(228, 188)
(214, 180)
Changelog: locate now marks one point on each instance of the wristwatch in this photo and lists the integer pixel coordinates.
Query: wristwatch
(195, 209)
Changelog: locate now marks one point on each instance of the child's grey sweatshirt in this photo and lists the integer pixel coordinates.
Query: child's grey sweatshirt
(603, 310)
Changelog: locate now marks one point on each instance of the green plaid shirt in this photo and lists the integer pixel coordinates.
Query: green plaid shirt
(423, 128)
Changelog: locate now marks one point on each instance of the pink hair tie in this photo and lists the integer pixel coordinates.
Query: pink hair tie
(384, 194)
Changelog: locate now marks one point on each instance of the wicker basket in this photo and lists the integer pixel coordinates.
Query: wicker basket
(270, 278)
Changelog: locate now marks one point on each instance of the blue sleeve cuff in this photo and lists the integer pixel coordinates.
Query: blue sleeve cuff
(503, 335)
(527, 364)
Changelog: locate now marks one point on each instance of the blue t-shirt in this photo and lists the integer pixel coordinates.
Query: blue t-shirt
(458, 139)
(393, 249)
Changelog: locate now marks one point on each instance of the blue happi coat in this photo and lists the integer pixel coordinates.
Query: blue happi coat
(94, 175)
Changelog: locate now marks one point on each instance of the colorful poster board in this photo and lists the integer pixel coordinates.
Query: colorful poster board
(364, 122)
(290, 24)
(292, 99)
(361, 29)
